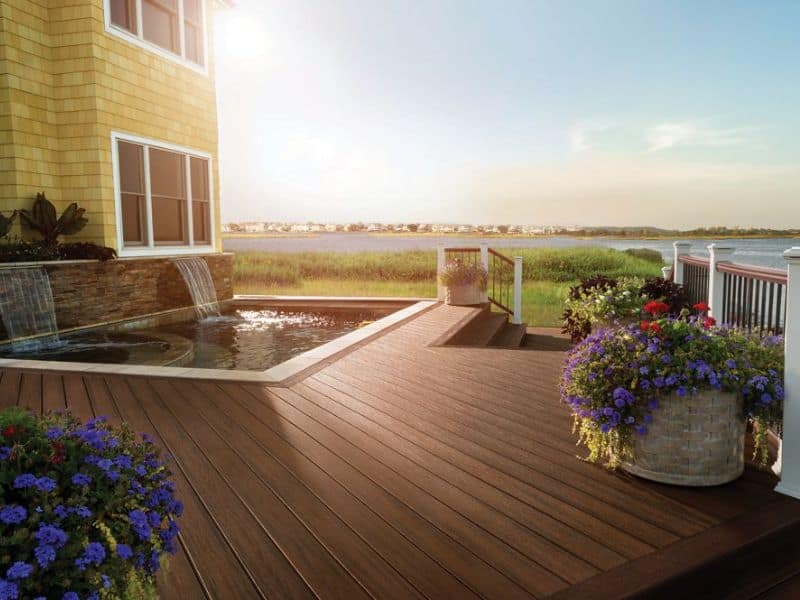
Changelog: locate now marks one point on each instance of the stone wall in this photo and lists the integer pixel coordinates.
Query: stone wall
(90, 292)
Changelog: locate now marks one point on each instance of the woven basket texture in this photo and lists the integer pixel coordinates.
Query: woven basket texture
(695, 440)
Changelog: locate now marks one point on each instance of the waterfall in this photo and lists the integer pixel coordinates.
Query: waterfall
(201, 286)
(26, 304)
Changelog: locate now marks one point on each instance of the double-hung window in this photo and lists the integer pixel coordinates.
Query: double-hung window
(163, 197)
(176, 26)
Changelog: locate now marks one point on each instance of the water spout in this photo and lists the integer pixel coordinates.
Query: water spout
(26, 305)
(198, 279)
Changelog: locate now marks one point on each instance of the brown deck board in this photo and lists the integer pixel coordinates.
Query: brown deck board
(405, 469)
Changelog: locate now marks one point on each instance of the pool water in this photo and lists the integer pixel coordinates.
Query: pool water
(257, 339)
(240, 338)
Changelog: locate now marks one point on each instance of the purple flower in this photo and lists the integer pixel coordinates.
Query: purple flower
(8, 590)
(45, 484)
(13, 515)
(19, 570)
(81, 479)
(641, 430)
(70, 596)
(47, 534)
(682, 391)
(5, 452)
(44, 554)
(24, 481)
(124, 551)
(54, 433)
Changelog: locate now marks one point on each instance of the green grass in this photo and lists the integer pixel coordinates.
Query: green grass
(548, 274)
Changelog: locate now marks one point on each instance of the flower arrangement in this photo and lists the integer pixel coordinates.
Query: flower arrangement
(602, 300)
(599, 299)
(87, 511)
(615, 379)
(457, 272)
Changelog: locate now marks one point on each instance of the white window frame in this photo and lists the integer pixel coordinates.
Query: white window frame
(137, 38)
(151, 248)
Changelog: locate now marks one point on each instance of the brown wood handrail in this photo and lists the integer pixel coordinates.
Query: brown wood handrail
(502, 257)
(694, 260)
(464, 249)
(754, 272)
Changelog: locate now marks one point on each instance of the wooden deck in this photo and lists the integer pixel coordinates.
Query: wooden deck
(403, 470)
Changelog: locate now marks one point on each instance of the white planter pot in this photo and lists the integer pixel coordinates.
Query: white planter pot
(464, 295)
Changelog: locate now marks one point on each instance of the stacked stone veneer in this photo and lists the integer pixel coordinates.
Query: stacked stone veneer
(89, 292)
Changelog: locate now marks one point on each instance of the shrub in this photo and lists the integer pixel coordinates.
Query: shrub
(42, 219)
(85, 251)
(601, 299)
(647, 254)
(669, 292)
(86, 509)
(457, 272)
(18, 250)
(616, 378)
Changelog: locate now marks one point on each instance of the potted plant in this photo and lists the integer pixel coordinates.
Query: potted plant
(465, 283)
(87, 511)
(600, 302)
(668, 399)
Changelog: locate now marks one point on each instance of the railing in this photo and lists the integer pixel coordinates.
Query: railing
(695, 277)
(504, 286)
(743, 296)
(501, 281)
(753, 297)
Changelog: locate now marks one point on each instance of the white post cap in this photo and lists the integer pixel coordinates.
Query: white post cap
(682, 244)
(792, 254)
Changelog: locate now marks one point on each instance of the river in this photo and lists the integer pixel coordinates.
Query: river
(755, 251)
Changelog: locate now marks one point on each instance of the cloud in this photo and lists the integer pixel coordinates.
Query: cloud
(581, 134)
(687, 133)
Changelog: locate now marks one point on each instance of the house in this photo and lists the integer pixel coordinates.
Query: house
(112, 104)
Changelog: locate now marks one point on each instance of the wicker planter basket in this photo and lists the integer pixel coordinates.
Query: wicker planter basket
(464, 295)
(695, 440)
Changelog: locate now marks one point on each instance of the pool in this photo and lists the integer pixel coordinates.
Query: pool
(249, 338)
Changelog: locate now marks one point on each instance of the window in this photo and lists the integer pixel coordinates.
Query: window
(176, 26)
(164, 197)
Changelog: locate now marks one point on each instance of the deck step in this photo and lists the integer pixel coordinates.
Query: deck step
(509, 336)
(481, 330)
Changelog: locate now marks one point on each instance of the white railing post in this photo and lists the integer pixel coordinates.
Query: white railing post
(666, 272)
(485, 265)
(681, 249)
(717, 254)
(440, 261)
(790, 444)
(517, 318)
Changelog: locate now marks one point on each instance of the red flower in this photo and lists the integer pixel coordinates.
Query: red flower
(9, 431)
(709, 322)
(701, 306)
(656, 308)
(645, 325)
(655, 327)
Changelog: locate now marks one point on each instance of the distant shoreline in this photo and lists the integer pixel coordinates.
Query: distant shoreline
(500, 236)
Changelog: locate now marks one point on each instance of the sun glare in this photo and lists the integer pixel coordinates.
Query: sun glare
(241, 39)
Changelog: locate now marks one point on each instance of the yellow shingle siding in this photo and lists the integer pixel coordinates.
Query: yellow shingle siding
(66, 84)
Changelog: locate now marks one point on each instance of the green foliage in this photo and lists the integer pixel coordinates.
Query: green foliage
(6, 223)
(86, 508)
(458, 272)
(648, 254)
(42, 219)
(616, 379)
(85, 251)
(19, 250)
(602, 300)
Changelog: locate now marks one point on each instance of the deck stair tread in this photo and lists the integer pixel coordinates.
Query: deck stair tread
(481, 330)
(510, 336)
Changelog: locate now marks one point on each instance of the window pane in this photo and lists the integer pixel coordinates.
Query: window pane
(194, 44)
(133, 217)
(199, 179)
(123, 14)
(192, 10)
(169, 219)
(160, 23)
(201, 220)
(131, 167)
(167, 174)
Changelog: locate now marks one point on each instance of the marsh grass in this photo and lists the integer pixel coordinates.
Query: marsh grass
(548, 274)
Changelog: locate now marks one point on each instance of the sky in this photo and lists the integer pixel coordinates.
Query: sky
(595, 113)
